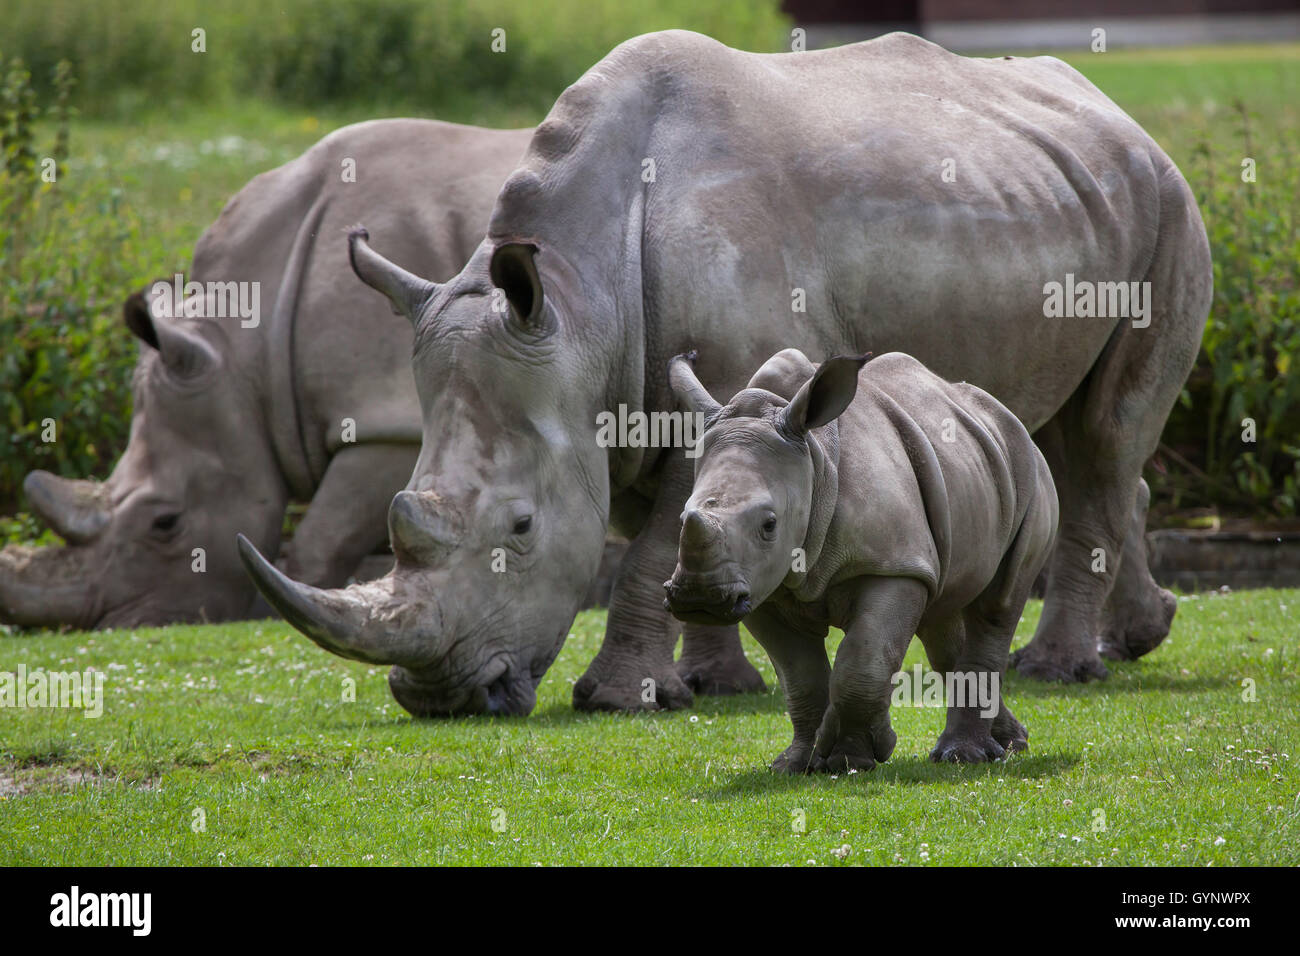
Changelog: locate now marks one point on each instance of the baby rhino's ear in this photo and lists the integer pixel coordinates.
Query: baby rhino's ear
(824, 397)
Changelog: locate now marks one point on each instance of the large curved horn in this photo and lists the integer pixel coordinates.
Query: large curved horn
(688, 389)
(406, 291)
(77, 510)
(363, 622)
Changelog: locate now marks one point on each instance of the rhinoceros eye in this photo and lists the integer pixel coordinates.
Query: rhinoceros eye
(166, 523)
(769, 525)
(523, 525)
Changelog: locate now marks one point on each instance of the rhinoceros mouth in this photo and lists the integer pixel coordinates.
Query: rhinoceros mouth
(507, 695)
(58, 586)
(697, 602)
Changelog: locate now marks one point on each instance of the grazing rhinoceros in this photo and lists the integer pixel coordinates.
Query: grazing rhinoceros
(885, 196)
(895, 505)
(230, 423)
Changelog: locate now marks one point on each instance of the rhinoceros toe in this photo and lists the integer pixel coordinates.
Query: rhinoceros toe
(1067, 668)
(631, 689)
(1138, 631)
(966, 748)
(840, 749)
(1010, 733)
(736, 677)
(795, 759)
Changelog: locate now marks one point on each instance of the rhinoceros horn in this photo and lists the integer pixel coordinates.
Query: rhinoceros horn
(406, 291)
(688, 389)
(77, 510)
(370, 621)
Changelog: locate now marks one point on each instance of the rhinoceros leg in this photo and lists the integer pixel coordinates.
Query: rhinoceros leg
(713, 662)
(1095, 497)
(944, 641)
(798, 651)
(1099, 440)
(973, 651)
(855, 733)
(1138, 612)
(348, 515)
(634, 669)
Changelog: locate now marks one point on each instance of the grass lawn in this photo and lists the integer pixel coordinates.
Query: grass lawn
(1164, 763)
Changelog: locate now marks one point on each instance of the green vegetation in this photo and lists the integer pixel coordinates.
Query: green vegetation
(411, 54)
(247, 723)
(166, 136)
(1212, 109)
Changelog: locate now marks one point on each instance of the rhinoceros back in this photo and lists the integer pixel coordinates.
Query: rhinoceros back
(328, 348)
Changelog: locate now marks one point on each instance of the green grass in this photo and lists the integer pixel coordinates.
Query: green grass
(246, 722)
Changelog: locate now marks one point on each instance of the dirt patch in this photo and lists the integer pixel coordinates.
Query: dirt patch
(20, 781)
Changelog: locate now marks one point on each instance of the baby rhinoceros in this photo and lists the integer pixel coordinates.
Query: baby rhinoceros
(893, 506)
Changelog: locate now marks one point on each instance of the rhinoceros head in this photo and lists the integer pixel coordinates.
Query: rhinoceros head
(195, 470)
(501, 527)
(750, 505)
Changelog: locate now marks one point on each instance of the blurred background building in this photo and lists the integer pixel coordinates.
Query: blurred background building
(1050, 24)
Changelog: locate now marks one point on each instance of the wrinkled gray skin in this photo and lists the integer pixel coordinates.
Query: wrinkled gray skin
(887, 503)
(231, 423)
(820, 172)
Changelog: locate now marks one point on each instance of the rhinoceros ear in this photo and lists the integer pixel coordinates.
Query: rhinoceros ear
(185, 353)
(514, 272)
(136, 313)
(688, 389)
(406, 291)
(824, 397)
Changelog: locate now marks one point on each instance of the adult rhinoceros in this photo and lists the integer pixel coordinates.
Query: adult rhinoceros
(883, 196)
(230, 423)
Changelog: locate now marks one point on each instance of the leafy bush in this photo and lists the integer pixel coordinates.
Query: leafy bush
(434, 55)
(67, 254)
(71, 250)
(1245, 368)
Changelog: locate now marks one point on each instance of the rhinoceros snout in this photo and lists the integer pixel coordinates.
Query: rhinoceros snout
(707, 603)
(509, 695)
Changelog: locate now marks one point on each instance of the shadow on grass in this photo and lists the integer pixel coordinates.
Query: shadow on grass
(1125, 678)
(739, 705)
(563, 714)
(910, 771)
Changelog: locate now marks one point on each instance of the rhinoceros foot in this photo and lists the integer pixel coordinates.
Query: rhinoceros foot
(631, 688)
(795, 759)
(1037, 662)
(840, 760)
(1008, 732)
(966, 746)
(1134, 631)
(721, 678)
(843, 744)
